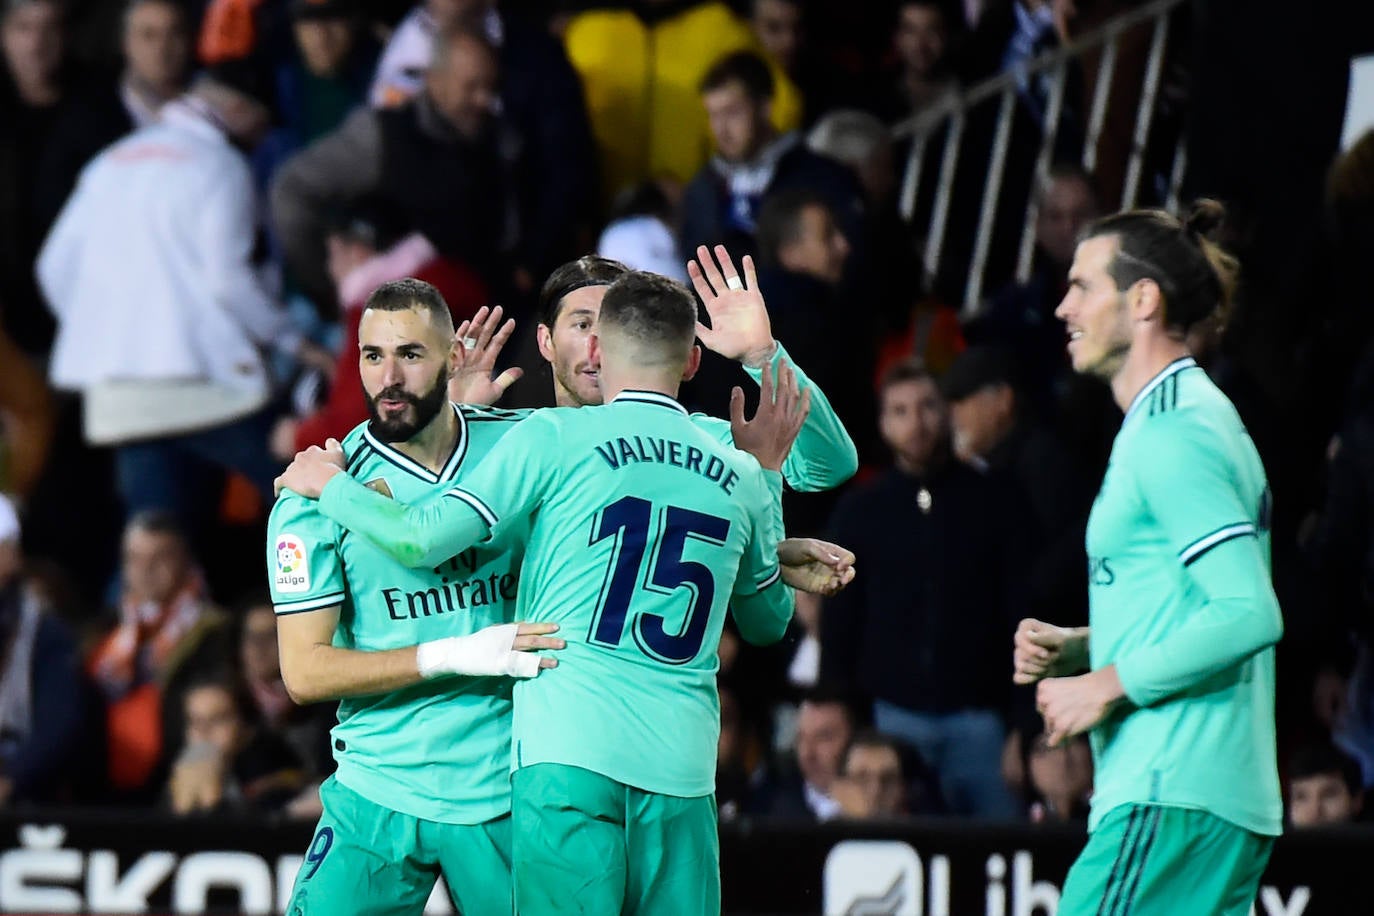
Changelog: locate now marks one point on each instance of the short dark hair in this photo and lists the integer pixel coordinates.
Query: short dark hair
(979, 367)
(872, 738)
(1069, 170)
(409, 293)
(907, 370)
(239, 694)
(1326, 759)
(588, 270)
(743, 67)
(1195, 275)
(158, 521)
(829, 694)
(650, 309)
(779, 221)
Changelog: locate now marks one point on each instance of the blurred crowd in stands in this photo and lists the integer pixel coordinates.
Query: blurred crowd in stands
(196, 197)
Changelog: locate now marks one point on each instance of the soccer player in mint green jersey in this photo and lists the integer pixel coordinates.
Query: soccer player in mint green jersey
(422, 784)
(824, 456)
(1179, 697)
(642, 529)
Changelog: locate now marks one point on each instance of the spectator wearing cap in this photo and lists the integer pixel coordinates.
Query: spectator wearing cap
(156, 46)
(540, 101)
(161, 314)
(922, 633)
(435, 161)
(42, 703)
(368, 246)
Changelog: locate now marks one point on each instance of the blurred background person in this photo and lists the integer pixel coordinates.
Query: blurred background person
(163, 316)
(1324, 787)
(228, 761)
(166, 630)
(45, 736)
(156, 47)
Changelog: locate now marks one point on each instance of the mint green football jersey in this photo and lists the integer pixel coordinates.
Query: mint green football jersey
(439, 750)
(642, 530)
(1181, 601)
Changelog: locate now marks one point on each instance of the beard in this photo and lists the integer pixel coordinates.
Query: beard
(425, 408)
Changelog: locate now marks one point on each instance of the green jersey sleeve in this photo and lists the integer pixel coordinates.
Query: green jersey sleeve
(824, 456)
(496, 494)
(762, 603)
(304, 569)
(1191, 488)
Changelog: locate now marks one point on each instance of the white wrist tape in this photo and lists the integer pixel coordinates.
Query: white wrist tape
(485, 653)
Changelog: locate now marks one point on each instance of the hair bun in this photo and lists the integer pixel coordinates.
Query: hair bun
(1204, 217)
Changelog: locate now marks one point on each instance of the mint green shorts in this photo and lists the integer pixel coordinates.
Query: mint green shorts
(1155, 860)
(584, 843)
(367, 860)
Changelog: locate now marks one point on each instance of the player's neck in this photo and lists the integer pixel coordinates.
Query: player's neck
(1147, 358)
(432, 445)
(661, 382)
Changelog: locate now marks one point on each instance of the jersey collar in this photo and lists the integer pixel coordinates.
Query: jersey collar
(649, 397)
(410, 465)
(1175, 367)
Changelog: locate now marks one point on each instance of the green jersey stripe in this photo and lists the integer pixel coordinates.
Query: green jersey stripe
(1195, 550)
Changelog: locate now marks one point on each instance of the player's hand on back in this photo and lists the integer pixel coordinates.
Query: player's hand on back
(477, 344)
(815, 566)
(1041, 650)
(311, 469)
(783, 407)
(505, 649)
(740, 328)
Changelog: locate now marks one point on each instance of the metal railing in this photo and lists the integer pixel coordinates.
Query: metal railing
(953, 113)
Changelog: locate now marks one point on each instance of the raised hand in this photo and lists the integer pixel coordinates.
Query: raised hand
(477, 344)
(774, 427)
(740, 328)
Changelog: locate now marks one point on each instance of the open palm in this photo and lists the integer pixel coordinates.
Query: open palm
(740, 328)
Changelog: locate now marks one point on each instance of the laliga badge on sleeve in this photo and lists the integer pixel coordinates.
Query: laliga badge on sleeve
(293, 567)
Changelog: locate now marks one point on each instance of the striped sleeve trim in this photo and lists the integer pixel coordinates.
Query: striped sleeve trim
(769, 579)
(309, 604)
(475, 504)
(1198, 548)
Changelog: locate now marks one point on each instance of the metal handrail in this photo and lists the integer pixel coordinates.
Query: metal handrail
(953, 109)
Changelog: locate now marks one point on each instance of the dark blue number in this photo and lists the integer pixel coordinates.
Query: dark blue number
(319, 848)
(671, 572)
(628, 520)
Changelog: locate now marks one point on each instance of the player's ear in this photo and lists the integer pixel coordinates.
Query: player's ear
(1146, 300)
(544, 336)
(693, 363)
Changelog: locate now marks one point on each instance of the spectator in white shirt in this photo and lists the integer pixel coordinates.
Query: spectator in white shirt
(162, 318)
